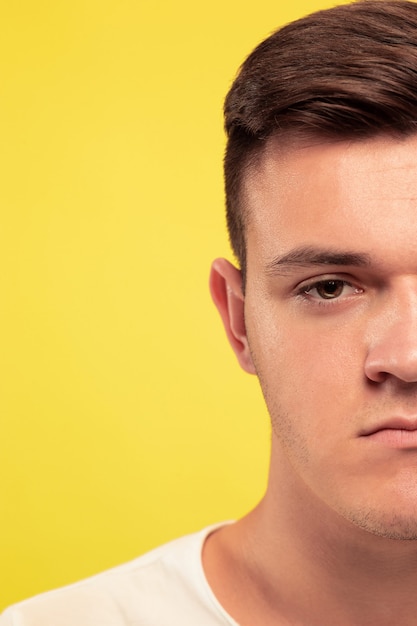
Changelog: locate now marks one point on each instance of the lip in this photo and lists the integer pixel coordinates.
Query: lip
(397, 432)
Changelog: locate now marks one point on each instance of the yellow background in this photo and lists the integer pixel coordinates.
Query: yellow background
(125, 420)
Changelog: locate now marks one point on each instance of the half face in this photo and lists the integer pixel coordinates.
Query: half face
(329, 323)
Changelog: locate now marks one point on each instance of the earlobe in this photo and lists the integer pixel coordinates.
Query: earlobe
(227, 294)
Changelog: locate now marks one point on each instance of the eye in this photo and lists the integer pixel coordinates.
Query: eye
(330, 289)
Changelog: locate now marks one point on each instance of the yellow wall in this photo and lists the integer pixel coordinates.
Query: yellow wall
(124, 419)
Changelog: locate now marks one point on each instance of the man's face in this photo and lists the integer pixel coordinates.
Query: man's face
(331, 321)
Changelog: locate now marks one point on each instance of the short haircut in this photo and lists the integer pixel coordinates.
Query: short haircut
(349, 72)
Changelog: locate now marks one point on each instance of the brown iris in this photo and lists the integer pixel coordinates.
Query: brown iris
(330, 288)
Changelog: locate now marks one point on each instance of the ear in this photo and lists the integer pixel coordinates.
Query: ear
(227, 294)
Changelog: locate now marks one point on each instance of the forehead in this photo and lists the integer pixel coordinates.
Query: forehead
(350, 194)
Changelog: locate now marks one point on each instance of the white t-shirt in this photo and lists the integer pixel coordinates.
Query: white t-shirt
(165, 587)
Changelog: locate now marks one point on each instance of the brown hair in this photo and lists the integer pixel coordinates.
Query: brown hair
(343, 73)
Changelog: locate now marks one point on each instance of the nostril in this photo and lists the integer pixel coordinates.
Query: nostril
(377, 379)
(393, 357)
(376, 367)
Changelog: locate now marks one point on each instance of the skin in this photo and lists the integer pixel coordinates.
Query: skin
(328, 323)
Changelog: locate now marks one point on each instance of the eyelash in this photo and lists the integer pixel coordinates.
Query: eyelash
(305, 290)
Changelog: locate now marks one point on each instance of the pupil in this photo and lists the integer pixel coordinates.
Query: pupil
(331, 289)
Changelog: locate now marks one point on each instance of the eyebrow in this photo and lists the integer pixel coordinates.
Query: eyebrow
(307, 256)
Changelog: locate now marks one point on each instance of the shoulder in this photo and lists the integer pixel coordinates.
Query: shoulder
(164, 586)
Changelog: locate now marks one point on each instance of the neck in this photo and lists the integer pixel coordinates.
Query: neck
(294, 561)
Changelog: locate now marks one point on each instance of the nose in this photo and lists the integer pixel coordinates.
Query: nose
(393, 341)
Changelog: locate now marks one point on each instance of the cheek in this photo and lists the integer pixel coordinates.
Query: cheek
(311, 375)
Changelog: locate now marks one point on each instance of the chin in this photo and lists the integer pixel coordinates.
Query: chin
(399, 526)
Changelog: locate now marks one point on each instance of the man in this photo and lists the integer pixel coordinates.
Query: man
(321, 184)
